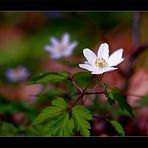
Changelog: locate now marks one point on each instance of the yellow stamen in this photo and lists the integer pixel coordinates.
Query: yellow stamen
(100, 63)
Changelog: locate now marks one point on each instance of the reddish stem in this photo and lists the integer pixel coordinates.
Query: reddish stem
(76, 85)
(82, 91)
(91, 93)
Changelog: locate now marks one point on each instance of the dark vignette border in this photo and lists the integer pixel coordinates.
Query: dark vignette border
(73, 5)
(73, 142)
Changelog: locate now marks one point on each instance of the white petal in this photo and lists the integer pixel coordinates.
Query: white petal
(87, 66)
(90, 56)
(86, 62)
(54, 41)
(56, 55)
(100, 71)
(53, 51)
(103, 51)
(117, 63)
(70, 48)
(97, 72)
(48, 48)
(116, 57)
(65, 38)
(110, 69)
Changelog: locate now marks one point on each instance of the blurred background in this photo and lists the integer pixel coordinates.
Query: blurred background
(23, 36)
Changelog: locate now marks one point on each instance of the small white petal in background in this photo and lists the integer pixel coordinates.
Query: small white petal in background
(101, 62)
(62, 48)
(18, 74)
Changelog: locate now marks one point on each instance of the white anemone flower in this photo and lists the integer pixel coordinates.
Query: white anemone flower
(62, 48)
(101, 62)
(18, 74)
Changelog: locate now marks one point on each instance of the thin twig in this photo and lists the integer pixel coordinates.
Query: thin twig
(91, 93)
(136, 41)
(76, 85)
(74, 103)
(136, 32)
(139, 50)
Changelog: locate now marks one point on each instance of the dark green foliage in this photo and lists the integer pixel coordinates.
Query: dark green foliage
(123, 104)
(49, 95)
(49, 77)
(110, 97)
(115, 94)
(16, 107)
(8, 129)
(82, 75)
(84, 78)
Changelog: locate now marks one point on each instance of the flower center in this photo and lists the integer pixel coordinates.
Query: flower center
(61, 47)
(100, 63)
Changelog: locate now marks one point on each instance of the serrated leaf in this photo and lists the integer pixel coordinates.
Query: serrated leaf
(50, 77)
(70, 125)
(47, 113)
(50, 112)
(82, 111)
(118, 127)
(81, 115)
(61, 126)
(123, 104)
(59, 103)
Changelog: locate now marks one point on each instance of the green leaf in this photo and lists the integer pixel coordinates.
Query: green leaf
(37, 77)
(123, 104)
(8, 129)
(50, 77)
(62, 126)
(110, 97)
(49, 95)
(82, 78)
(16, 106)
(50, 112)
(118, 127)
(81, 115)
(56, 121)
(59, 103)
(82, 75)
(115, 95)
(70, 125)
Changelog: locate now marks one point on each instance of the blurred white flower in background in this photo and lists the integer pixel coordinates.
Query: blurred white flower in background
(101, 62)
(18, 74)
(63, 48)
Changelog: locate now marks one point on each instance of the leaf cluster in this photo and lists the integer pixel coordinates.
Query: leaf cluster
(116, 95)
(57, 121)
